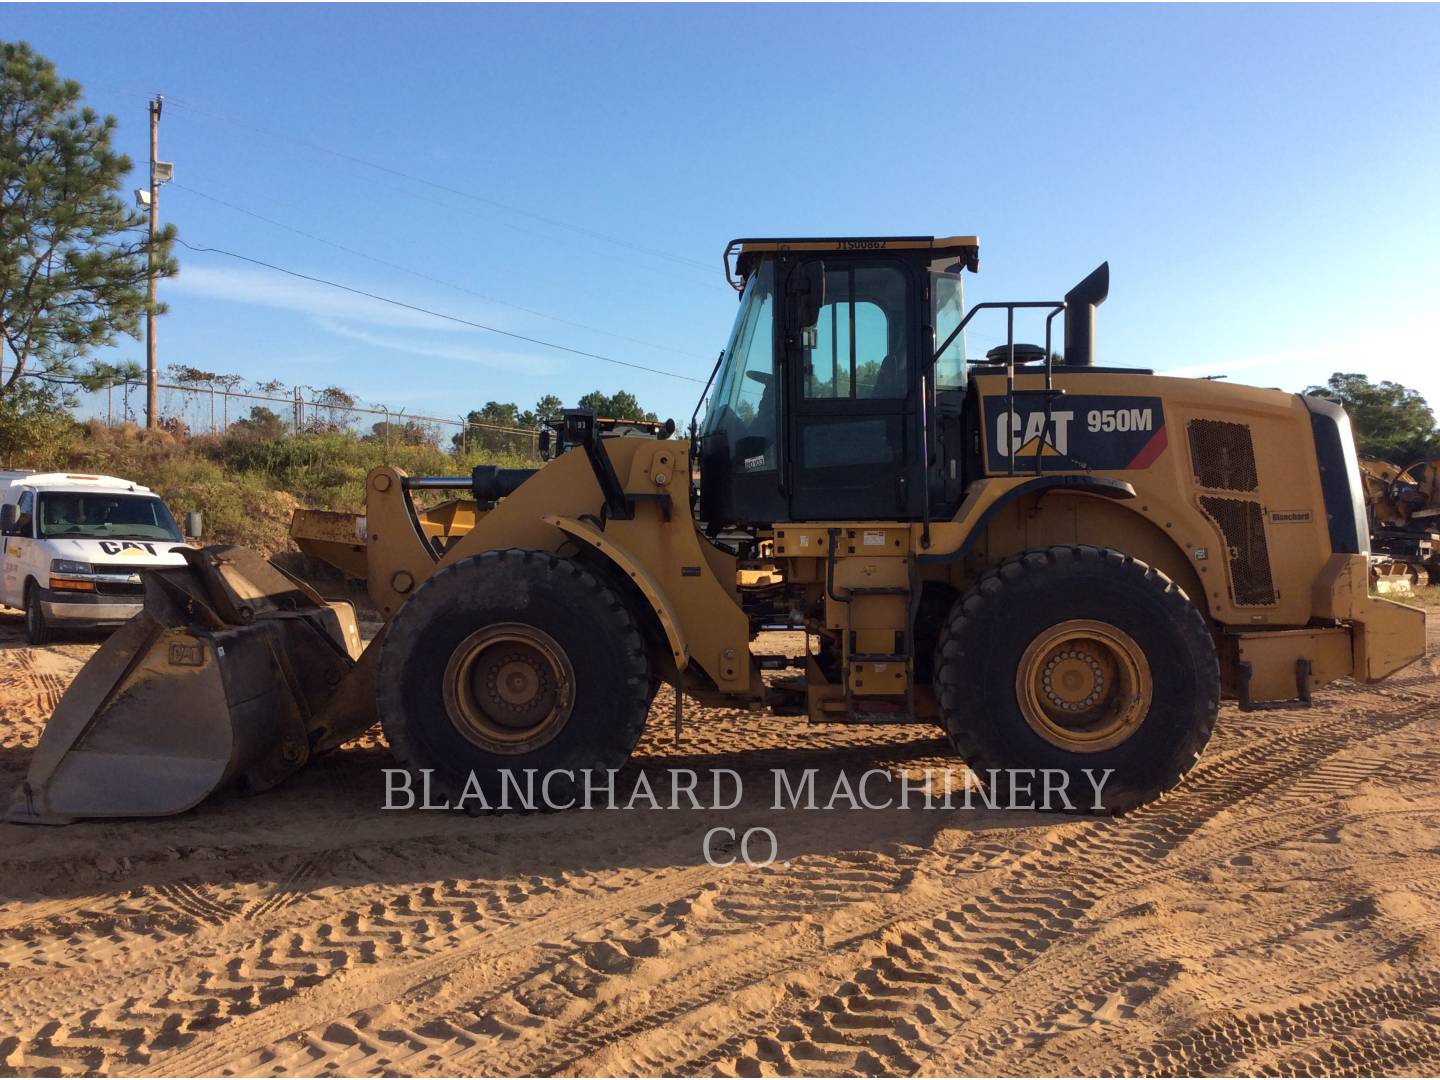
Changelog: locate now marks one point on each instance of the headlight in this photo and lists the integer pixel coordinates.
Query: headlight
(69, 566)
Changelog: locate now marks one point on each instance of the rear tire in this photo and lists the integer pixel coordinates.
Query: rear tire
(1078, 658)
(512, 660)
(37, 628)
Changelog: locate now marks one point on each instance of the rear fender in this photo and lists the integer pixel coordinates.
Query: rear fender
(1007, 517)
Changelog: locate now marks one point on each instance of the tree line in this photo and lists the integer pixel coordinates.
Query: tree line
(1392, 422)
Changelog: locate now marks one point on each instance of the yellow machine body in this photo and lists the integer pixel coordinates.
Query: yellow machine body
(1252, 551)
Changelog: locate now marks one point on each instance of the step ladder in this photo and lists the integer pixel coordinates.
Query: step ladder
(879, 656)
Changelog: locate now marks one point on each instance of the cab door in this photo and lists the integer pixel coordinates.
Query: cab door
(853, 392)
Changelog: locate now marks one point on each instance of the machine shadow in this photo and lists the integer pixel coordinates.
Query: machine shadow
(330, 819)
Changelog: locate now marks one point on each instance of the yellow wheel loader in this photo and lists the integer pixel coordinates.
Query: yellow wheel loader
(1065, 566)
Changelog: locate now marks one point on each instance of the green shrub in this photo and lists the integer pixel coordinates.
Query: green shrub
(36, 430)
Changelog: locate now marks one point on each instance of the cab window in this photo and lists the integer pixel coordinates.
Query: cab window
(860, 349)
(745, 407)
(947, 300)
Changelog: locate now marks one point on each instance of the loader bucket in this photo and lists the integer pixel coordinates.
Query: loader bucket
(228, 678)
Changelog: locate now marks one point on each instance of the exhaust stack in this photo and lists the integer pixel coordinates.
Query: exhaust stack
(1080, 305)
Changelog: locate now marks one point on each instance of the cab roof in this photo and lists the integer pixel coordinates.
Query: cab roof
(747, 251)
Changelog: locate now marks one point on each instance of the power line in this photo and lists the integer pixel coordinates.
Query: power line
(343, 155)
(421, 274)
(435, 314)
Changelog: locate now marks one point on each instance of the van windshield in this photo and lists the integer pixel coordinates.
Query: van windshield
(80, 515)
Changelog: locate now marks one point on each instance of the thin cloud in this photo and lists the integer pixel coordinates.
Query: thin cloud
(1396, 355)
(264, 289)
(499, 359)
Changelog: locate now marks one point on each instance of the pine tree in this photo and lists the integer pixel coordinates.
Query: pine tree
(74, 254)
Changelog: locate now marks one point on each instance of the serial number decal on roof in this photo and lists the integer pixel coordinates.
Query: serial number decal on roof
(1083, 431)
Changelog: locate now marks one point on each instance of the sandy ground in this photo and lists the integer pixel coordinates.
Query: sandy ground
(1279, 913)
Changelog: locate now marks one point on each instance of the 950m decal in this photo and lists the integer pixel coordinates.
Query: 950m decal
(1082, 431)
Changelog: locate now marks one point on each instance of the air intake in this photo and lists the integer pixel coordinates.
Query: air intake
(1242, 523)
(1222, 455)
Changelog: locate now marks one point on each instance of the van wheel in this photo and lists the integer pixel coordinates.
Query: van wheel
(1079, 660)
(512, 661)
(37, 629)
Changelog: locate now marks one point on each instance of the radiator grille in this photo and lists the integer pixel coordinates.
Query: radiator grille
(119, 588)
(1242, 523)
(1223, 455)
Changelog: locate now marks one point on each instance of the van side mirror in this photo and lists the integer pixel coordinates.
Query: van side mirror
(9, 518)
(805, 290)
(194, 525)
(546, 435)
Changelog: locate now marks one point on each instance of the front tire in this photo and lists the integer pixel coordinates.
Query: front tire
(512, 660)
(37, 628)
(1078, 659)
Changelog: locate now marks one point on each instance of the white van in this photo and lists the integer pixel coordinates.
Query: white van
(73, 547)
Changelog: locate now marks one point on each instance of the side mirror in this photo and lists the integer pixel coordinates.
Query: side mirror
(9, 518)
(806, 291)
(545, 442)
(194, 525)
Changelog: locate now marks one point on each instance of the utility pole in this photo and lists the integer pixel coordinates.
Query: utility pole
(152, 371)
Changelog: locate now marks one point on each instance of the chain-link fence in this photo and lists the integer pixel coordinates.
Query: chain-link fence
(214, 409)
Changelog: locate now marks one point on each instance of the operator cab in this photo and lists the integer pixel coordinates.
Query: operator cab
(819, 404)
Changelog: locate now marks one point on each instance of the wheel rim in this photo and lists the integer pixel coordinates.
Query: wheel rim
(1084, 685)
(509, 688)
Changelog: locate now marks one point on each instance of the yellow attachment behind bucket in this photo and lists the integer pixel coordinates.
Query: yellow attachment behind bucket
(228, 677)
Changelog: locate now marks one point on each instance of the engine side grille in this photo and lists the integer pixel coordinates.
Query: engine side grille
(1242, 523)
(1222, 455)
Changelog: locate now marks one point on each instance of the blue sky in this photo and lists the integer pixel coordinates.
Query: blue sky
(1265, 181)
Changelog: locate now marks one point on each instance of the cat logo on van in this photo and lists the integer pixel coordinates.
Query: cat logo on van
(126, 547)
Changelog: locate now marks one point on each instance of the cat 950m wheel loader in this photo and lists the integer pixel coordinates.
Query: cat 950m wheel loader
(1066, 566)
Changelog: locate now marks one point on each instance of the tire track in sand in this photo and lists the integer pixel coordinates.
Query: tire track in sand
(873, 1021)
(1019, 918)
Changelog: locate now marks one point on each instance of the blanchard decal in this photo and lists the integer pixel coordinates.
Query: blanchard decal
(1285, 517)
(1085, 431)
(126, 547)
